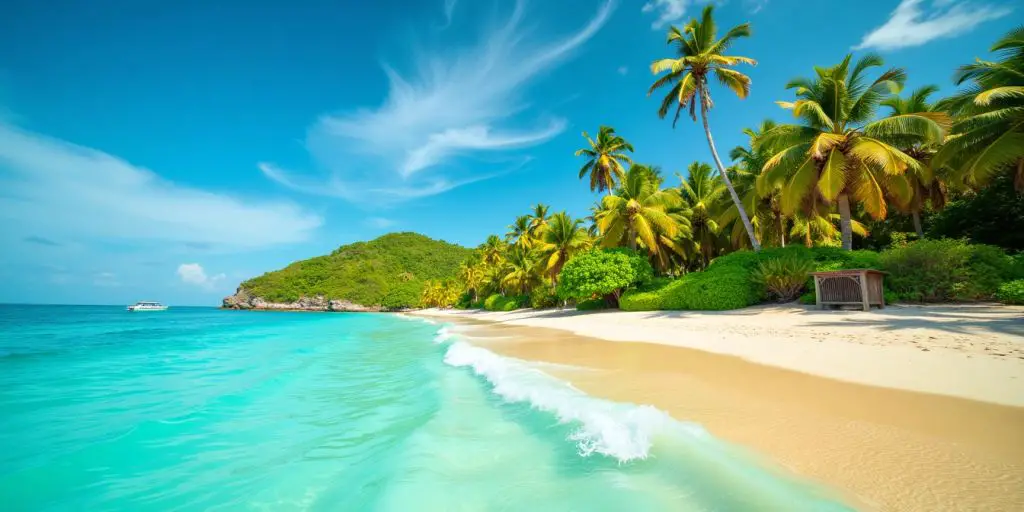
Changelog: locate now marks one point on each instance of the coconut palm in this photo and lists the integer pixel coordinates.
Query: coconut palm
(519, 232)
(472, 276)
(837, 151)
(562, 239)
(701, 192)
(924, 184)
(492, 251)
(989, 133)
(521, 270)
(763, 206)
(538, 219)
(606, 158)
(699, 54)
(638, 212)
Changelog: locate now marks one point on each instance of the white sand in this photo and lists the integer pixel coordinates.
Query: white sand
(969, 351)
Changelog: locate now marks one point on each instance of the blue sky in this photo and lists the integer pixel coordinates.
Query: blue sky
(168, 150)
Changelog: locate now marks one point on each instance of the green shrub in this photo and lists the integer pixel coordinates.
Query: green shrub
(946, 270)
(891, 297)
(809, 298)
(603, 272)
(591, 305)
(1011, 292)
(543, 297)
(783, 278)
(498, 302)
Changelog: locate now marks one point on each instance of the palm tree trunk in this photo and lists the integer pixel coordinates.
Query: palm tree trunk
(845, 222)
(631, 233)
(782, 231)
(725, 177)
(916, 215)
(807, 237)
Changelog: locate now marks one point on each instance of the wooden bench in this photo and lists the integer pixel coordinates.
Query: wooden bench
(854, 287)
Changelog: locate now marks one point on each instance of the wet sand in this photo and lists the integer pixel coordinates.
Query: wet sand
(888, 449)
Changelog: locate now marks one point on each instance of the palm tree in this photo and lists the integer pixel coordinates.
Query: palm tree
(989, 132)
(538, 220)
(521, 270)
(472, 276)
(837, 151)
(606, 158)
(763, 204)
(701, 192)
(924, 185)
(492, 251)
(562, 239)
(638, 212)
(519, 232)
(700, 53)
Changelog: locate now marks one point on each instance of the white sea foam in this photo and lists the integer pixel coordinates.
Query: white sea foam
(623, 431)
(444, 334)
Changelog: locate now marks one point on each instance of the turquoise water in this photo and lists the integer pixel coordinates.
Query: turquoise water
(201, 409)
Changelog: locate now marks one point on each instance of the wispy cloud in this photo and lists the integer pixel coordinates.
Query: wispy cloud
(914, 23)
(623, 70)
(380, 222)
(668, 11)
(195, 274)
(77, 193)
(449, 11)
(755, 6)
(38, 240)
(455, 106)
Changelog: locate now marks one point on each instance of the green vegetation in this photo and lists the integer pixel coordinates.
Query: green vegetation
(1011, 292)
(390, 271)
(923, 182)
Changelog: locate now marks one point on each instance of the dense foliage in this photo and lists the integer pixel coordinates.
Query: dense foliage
(603, 273)
(946, 270)
(1011, 292)
(783, 278)
(994, 215)
(390, 271)
(498, 302)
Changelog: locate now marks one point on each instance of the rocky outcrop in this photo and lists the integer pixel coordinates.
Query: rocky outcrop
(243, 300)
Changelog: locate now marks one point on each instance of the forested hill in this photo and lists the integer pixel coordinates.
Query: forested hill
(389, 271)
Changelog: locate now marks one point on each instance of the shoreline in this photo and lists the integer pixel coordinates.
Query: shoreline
(880, 448)
(974, 352)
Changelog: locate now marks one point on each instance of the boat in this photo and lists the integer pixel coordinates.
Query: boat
(147, 306)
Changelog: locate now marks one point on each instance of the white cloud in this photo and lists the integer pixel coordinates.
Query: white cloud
(622, 70)
(455, 105)
(914, 24)
(755, 6)
(449, 10)
(73, 192)
(380, 222)
(668, 11)
(194, 274)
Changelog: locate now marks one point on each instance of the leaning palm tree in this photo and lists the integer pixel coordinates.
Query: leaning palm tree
(519, 232)
(763, 205)
(562, 239)
(699, 54)
(638, 213)
(988, 136)
(606, 158)
(837, 152)
(924, 184)
(701, 192)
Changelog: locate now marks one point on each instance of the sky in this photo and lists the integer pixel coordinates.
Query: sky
(159, 150)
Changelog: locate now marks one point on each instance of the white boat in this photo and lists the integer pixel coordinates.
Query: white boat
(147, 306)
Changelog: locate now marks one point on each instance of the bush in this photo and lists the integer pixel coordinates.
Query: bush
(946, 270)
(591, 305)
(783, 278)
(603, 272)
(1011, 292)
(986, 217)
(809, 298)
(543, 297)
(498, 302)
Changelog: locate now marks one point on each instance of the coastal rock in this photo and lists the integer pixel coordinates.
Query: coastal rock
(243, 300)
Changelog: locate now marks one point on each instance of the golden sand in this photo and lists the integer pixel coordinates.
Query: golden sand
(889, 449)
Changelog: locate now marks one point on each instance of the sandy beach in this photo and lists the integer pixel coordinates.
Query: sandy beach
(905, 409)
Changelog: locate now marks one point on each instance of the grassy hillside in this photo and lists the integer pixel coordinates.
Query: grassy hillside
(388, 271)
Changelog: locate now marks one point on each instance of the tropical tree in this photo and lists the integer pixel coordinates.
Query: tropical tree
(837, 151)
(988, 136)
(493, 250)
(638, 212)
(521, 270)
(606, 159)
(924, 184)
(472, 277)
(538, 219)
(700, 52)
(519, 232)
(562, 239)
(762, 204)
(701, 192)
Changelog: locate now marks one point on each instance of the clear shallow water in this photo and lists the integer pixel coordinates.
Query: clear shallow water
(201, 409)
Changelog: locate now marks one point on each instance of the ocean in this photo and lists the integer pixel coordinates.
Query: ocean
(203, 409)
